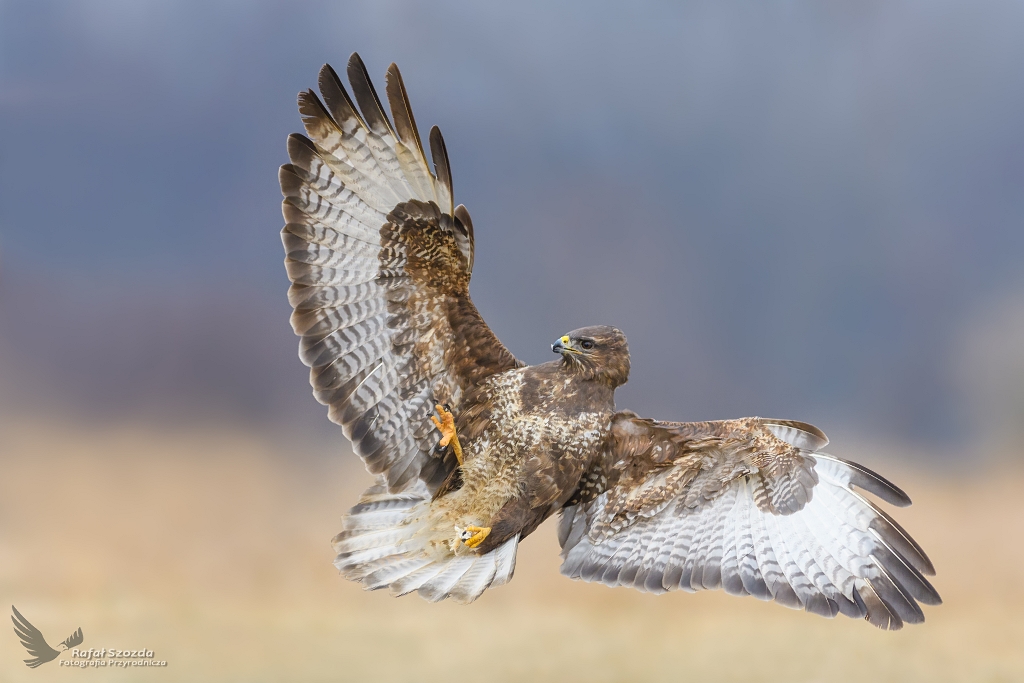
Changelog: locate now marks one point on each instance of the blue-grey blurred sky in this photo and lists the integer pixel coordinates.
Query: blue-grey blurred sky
(791, 209)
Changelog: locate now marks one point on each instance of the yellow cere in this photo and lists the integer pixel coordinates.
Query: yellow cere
(565, 339)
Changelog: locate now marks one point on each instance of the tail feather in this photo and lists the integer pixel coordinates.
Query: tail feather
(505, 556)
(371, 539)
(388, 541)
(440, 587)
(389, 573)
(476, 579)
(413, 581)
(359, 564)
(373, 520)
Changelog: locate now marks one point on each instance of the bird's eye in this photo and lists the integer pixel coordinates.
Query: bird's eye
(587, 344)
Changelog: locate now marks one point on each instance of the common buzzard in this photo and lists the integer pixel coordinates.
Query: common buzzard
(380, 259)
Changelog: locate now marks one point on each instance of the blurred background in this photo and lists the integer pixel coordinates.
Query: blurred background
(796, 210)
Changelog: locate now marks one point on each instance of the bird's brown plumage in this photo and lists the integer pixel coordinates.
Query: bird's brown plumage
(380, 260)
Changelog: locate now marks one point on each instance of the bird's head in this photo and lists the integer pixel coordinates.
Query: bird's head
(599, 352)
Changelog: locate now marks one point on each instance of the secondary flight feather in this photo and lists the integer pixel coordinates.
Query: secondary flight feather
(380, 260)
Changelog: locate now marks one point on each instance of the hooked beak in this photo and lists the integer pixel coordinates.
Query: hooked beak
(562, 346)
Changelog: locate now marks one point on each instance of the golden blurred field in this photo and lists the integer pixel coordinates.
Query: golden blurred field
(210, 547)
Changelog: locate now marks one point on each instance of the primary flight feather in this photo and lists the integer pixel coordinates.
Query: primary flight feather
(380, 260)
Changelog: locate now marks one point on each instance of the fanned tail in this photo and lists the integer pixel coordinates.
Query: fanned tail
(387, 540)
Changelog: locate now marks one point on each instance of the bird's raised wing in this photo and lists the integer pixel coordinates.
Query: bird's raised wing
(380, 263)
(751, 506)
(33, 641)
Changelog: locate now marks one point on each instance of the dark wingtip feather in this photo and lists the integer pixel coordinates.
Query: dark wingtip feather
(876, 611)
(301, 150)
(439, 154)
(317, 121)
(897, 537)
(463, 219)
(336, 97)
(291, 182)
(907, 578)
(895, 599)
(822, 606)
(784, 594)
(875, 483)
(401, 110)
(366, 96)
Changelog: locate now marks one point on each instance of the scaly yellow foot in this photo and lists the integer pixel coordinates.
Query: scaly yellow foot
(446, 425)
(473, 536)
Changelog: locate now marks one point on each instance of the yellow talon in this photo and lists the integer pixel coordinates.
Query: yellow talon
(446, 425)
(473, 536)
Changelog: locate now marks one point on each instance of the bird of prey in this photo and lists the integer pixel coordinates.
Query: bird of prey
(380, 259)
(33, 640)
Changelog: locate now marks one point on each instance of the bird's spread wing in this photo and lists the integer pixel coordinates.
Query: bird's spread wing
(33, 640)
(380, 262)
(751, 506)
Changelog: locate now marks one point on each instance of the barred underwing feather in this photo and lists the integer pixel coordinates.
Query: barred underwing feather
(652, 576)
(793, 576)
(322, 215)
(306, 274)
(682, 557)
(619, 568)
(310, 252)
(324, 169)
(768, 563)
(819, 594)
(298, 237)
(835, 581)
(323, 349)
(354, 219)
(325, 320)
(750, 572)
(335, 222)
(311, 297)
(714, 550)
(731, 581)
